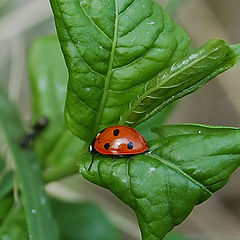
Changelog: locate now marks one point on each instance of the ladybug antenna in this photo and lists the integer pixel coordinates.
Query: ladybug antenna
(93, 153)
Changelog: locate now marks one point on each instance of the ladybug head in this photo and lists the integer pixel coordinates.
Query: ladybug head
(91, 148)
(92, 151)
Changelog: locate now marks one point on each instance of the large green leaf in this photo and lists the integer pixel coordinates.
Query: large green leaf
(182, 78)
(189, 128)
(108, 58)
(56, 146)
(163, 185)
(37, 210)
(83, 221)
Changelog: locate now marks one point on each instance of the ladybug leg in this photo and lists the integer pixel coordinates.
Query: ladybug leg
(131, 157)
(93, 153)
(113, 158)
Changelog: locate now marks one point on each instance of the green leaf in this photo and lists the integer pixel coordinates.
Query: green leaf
(182, 78)
(145, 128)
(236, 49)
(163, 185)
(38, 214)
(189, 128)
(108, 59)
(48, 79)
(56, 146)
(83, 221)
(62, 161)
(14, 226)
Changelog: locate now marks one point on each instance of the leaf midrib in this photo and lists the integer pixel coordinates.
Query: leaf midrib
(160, 85)
(109, 73)
(177, 169)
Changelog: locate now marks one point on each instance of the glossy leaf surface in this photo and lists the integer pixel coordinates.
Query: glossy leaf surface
(163, 185)
(108, 59)
(189, 128)
(182, 78)
(37, 210)
(56, 146)
(83, 221)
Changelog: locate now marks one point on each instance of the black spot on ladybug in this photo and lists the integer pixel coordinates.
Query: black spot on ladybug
(130, 145)
(116, 132)
(107, 146)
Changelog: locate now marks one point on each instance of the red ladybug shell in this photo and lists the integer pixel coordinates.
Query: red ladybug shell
(120, 140)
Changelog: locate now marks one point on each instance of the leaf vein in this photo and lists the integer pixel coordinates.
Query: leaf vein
(71, 40)
(126, 8)
(177, 169)
(80, 123)
(92, 21)
(134, 27)
(140, 57)
(109, 73)
(168, 195)
(79, 99)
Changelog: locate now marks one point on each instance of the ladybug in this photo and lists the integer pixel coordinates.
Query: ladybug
(121, 141)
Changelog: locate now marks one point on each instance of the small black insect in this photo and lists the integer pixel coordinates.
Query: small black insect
(116, 132)
(27, 140)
